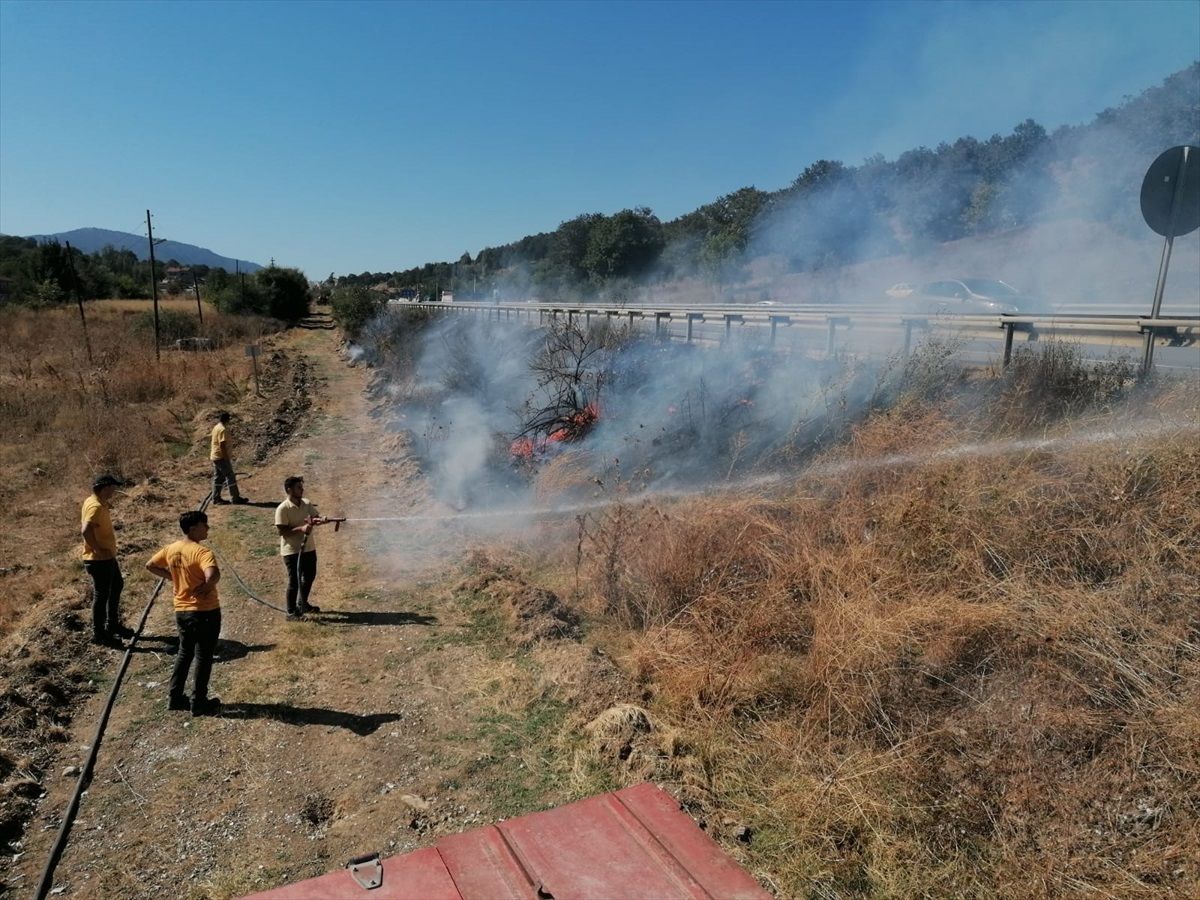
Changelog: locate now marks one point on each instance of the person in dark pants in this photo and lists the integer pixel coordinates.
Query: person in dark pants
(100, 562)
(221, 454)
(295, 518)
(192, 569)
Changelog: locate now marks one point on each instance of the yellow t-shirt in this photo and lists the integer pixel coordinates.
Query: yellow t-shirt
(103, 537)
(186, 560)
(294, 514)
(220, 444)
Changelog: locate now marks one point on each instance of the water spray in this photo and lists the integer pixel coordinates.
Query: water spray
(819, 470)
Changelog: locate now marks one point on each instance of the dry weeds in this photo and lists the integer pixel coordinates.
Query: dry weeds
(978, 677)
(69, 419)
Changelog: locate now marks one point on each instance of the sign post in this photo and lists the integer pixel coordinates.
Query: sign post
(1171, 207)
(252, 352)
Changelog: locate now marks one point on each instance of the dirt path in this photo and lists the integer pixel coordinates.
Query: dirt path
(397, 714)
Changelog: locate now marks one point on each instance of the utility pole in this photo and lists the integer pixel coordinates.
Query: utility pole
(153, 283)
(87, 342)
(237, 268)
(196, 288)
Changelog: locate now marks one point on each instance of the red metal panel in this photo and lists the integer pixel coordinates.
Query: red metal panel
(686, 843)
(419, 875)
(635, 844)
(483, 865)
(585, 850)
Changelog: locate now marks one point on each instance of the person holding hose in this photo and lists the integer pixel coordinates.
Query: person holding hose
(100, 562)
(192, 570)
(222, 461)
(295, 519)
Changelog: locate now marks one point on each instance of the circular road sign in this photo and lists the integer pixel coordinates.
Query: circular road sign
(1158, 191)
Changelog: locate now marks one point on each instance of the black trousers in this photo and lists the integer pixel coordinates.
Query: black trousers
(302, 585)
(107, 585)
(198, 633)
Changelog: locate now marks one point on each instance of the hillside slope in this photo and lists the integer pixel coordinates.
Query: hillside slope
(90, 240)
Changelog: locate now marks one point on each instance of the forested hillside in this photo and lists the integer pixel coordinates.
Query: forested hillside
(92, 240)
(46, 274)
(42, 274)
(834, 214)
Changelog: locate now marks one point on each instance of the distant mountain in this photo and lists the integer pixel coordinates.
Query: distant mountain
(89, 240)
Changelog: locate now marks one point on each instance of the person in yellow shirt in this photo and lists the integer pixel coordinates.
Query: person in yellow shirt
(295, 518)
(100, 562)
(221, 454)
(193, 572)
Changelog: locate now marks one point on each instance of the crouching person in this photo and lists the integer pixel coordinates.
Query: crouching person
(192, 569)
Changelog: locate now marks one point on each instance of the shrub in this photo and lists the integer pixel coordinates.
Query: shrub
(275, 292)
(236, 298)
(354, 306)
(894, 662)
(1053, 380)
(173, 325)
(284, 293)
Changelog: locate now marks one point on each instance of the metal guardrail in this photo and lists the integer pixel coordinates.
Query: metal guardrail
(1112, 329)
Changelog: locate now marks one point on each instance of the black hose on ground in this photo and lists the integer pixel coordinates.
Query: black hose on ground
(85, 776)
(246, 589)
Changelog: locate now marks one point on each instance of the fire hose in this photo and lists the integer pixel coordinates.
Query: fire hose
(312, 523)
(85, 774)
(247, 590)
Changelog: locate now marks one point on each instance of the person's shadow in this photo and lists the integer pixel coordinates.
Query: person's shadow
(229, 649)
(370, 617)
(308, 715)
(226, 651)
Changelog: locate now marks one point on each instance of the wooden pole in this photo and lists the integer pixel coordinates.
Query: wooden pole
(153, 283)
(196, 288)
(87, 342)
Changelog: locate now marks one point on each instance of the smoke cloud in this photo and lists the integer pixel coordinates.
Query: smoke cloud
(505, 414)
(1055, 214)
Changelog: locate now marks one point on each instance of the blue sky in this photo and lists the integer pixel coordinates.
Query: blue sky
(376, 136)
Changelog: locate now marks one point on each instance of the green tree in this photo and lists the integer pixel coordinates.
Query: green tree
(234, 295)
(47, 292)
(569, 248)
(354, 306)
(284, 293)
(820, 174)
(624, 245)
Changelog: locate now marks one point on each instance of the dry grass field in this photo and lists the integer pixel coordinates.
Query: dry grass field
(974, 675)
(69, 418)
(955, 655)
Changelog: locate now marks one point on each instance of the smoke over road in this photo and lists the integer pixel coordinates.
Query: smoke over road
(496, 411)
